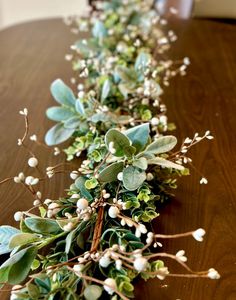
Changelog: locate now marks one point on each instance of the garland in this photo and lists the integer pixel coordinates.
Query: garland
(96, 240)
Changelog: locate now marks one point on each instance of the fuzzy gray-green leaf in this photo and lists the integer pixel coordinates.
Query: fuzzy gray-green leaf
(133, 178)
(165, 163)
(62, 93)
(118, 141)
(58, 134)
(162, 144)
(110, 173)
(59, 113)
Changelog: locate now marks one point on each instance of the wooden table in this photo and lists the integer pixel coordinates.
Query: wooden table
(32, 56)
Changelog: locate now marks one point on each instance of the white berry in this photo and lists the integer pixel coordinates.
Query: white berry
(82, 203)
(33, 162)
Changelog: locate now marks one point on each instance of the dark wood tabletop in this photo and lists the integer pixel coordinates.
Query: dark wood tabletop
(32, 56)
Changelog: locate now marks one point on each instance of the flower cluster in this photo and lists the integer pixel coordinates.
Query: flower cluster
(94, 241)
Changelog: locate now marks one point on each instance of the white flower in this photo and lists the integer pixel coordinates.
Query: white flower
(18, 216)
(36, 202)
(82, 203)
(113, 212)
(154, 121)
(163, 272)
(30, 180)
(109, 285)
(186, 61)
(24, 112)
(57, 151)
(81, 94)
(140, 264)
(19, 142)
(198, 234)
(104, 261)
(33, 162)
(180, 255)
(19, 178)
(137, 233)
(213, 274)
(33, 137)
(203, 180)
(74, 175)
(120, 176)
(118, 264)
(53, 205)
(111, 148)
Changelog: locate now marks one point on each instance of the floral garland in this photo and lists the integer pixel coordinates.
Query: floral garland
(95, 241)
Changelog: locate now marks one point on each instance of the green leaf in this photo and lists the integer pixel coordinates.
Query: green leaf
(126, 75)
(133, 178)
(80, 184)
(139, 136)
(33, 291)
(72, 123)
(142, 61)
(22, 239)
(62, 93)
(6, 233)
(110, 173)
(40, 225)
(69, 239)
(106, 89)
(140, 163)
(99, 30)
(119, 141)
(165, 163)
(92, 292)
(79, 107)
(91, 183)
(162, 144)
(57, 113)
(58, 134)
(125, 89)
(17, 267)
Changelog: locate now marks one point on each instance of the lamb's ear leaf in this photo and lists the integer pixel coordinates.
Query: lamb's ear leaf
(138, 135)
(59, 113)
(58, 134)
(110, 173)
(62, 93)
(119, 140)
(162, 144)
(43, 226)
(133, 178)
(165, 163)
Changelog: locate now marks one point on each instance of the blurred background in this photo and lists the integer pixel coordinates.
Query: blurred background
(17, 11)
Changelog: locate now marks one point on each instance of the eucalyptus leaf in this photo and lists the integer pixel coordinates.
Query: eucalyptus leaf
(133, 178)
(119, 142)
(141, 163)
(59, 113)
(162, 144)
(58, 134)
(106, 88)
(6, 233)
(142, 61)
(79, 107)
(80, 184)
(99, 30)
(110, 173)
(40, 225)
(72, 123)
(139, 135)
(165, 163)
(62, 93)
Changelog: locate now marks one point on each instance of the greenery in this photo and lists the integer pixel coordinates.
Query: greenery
(95, 241)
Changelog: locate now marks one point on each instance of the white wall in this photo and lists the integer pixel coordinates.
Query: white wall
(17, 11)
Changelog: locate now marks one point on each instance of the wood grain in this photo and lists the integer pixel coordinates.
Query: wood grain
(31, 57)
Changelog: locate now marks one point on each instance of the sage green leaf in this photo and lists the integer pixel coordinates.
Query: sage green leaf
(92, 292)
(58, 134)
(59, 113)
(125, 89)
(6, 233)
(126, 75)
(133, 178)
(80, 184)
(165, 163)
(118, 141)
(100, 117)
(162, 144)
(40, 225)
(99, 30)
(72, 123)
(142, 61)
(16, 268)
(129, 151)
(62, 93)
(141, 163)
(79, 107)
(33, 291)
(106, 90)
(22, 239)
(69, 239)
(110, 173)
(20, 270)
(139, 136)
